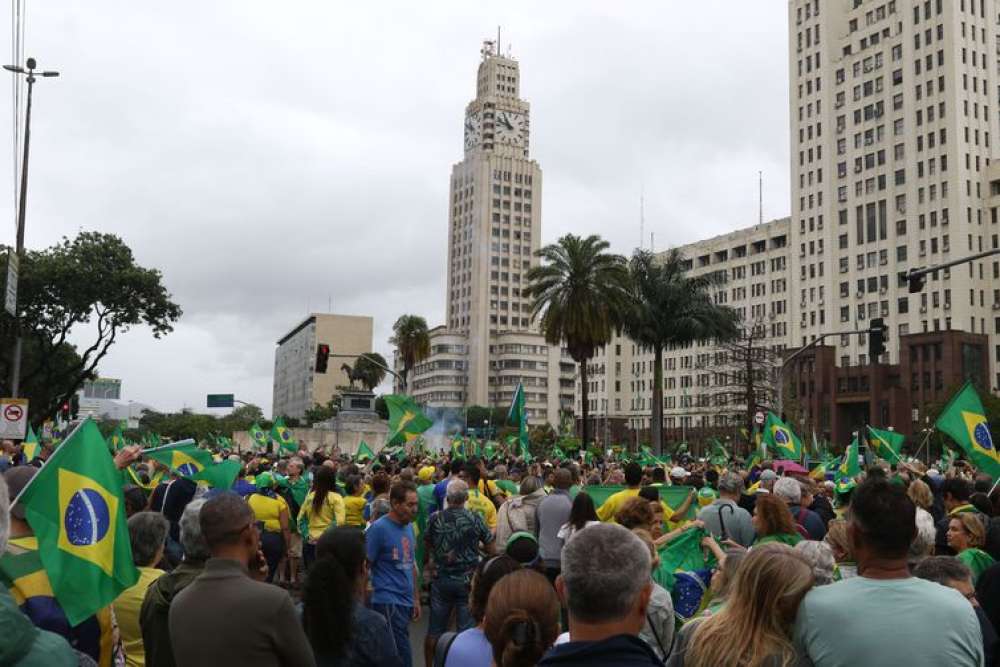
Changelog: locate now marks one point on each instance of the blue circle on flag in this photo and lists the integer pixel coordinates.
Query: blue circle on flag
(982, 435)
(187, 469)
(780, 437)
(87, 518)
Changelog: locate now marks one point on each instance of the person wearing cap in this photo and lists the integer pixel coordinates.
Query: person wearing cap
(272, 510)
(28, 583)
(724, 518)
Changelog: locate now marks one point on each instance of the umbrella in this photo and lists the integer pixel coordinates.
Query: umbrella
(790, 467)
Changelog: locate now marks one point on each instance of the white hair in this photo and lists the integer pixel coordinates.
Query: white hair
(788, 489)
(604, 568)
(457, 493)
(820, 557)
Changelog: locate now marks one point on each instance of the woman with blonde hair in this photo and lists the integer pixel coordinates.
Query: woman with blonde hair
(754, 628)
(836, 537)
(966, 535)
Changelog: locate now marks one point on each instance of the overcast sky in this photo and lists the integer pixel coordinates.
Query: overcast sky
(270, 162)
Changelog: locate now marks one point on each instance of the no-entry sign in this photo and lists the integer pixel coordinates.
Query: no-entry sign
(13, 418)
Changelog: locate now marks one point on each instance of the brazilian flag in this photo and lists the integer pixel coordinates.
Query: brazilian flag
(887, 444)
(406, 420)
(364, 453)
(31, 448)
(965, 421)
(777, 435)
(258, 439)
(281, 435)
(75, 507)
(849, 468)
(184, 458)
(116, 441)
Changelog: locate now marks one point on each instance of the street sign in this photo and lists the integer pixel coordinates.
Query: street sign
(220, 400)
(759, 418)
(10, 296)
(13, 418)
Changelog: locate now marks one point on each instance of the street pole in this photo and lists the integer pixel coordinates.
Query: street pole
(15, 366)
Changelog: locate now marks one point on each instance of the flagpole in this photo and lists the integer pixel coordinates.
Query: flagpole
(926, 438)
(170, 445)
(993, 488)
(48, 461)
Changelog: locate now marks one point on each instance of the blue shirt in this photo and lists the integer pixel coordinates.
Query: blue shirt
(390, 555)
(440, 491)
(470, 649)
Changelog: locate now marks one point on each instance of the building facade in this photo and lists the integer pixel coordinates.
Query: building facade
(297, 385)
(489, 343)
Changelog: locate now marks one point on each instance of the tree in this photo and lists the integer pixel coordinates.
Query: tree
(92, 280)
(381, 409)
(321, 413)
(669, 307)
(412, 341)
(579, 295)
(369, 369)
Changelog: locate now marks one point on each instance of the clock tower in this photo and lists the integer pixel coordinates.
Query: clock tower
(494, 224)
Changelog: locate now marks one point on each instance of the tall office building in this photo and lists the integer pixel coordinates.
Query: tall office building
(893, 110)
(489, 343)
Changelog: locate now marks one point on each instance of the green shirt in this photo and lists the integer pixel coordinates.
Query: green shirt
(791, 539)
(299, 489)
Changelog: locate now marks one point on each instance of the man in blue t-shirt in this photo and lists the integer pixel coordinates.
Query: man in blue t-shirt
(441, 488)
(391, 545)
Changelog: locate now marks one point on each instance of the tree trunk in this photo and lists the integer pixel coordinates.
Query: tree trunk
(656, 419)
(584, 403)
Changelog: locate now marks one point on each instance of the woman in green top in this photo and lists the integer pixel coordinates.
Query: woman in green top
(773, 522)
(966, 533)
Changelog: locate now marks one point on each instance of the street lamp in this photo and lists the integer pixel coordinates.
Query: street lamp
(15, 367)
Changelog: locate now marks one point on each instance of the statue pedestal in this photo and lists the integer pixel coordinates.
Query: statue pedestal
(357, 403)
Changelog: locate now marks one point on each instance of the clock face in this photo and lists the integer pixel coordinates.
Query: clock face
(512, 128)
(473, 131)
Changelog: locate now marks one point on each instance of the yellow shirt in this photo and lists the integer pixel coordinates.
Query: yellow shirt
(354, 507)
(494, 491)
(267, 510)
(607, 511)
(483, 507)
(127, 607)
(331, 512)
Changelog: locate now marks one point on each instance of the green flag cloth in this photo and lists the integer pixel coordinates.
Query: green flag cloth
(219, 475)
(490, 450)
(258, 438)
(116, 441)
(184, 457)
(558, 454)
(364, 452)
(947, 459)
(75, 506)
(684, 554)
(31, 448)
(964, 420)
(719, 456)
(151, 439)
(887, 444)
(779, 437)
(850, 467)
(519, 416)
(673, 496)
(283, 437)
(457, 448)
(406, 420)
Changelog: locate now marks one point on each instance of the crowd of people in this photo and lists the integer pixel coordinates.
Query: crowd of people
(319, 560)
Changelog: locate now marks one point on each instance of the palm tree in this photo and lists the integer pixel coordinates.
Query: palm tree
(670, 307)
(368, 368)
(579, 295)
(412, 341)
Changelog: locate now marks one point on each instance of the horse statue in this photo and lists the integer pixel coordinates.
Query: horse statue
(352, 374)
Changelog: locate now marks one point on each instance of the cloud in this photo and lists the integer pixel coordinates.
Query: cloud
(270, 162)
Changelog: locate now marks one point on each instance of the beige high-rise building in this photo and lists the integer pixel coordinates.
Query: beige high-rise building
(489, 343)
(894, 115)
(297, 385)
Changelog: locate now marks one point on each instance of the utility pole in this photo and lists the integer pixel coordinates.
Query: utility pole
(15, 366)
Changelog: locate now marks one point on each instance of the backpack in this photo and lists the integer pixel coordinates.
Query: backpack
(798, 524)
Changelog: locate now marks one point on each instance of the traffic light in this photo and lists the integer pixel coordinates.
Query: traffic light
(916, 283)
(877, 336)
(74, 406)
(64, 411)
(322, 357)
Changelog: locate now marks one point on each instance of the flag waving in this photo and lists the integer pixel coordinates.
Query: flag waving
(406, 420)
(258, 439)
(75, 506)
(777, 435)
(31, 448)
(184, 458)
(518, 415)
(281, 435)
(364, 453)
(887, 444)
(849, 468)
(117, 439)
(964, 420)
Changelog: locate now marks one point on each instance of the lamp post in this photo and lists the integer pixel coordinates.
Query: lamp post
(29, 71)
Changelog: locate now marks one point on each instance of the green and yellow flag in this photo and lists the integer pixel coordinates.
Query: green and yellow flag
(364, 453)
(490, 450)
(964, 420)
(74, 505)
(406, 420)
(777, 435)
(887, 444)
(258, 438)
(220, 475)
(31, 448)
(283, 437)
(850, 467)
(457, 448)
(116, 441)
(184, 458)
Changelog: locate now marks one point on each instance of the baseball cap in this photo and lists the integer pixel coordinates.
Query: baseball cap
(706, 495)
(17, 478)
(426, 473)
(678, 471)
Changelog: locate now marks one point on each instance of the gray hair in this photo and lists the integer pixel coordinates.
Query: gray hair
(194, 545)
(530, 484)
(457, 493)
(942, 570)
(820, 557)
(380, 507)
(788, 489)
(604, 569)
(4, 515)
(147, 532)
(730, 483)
